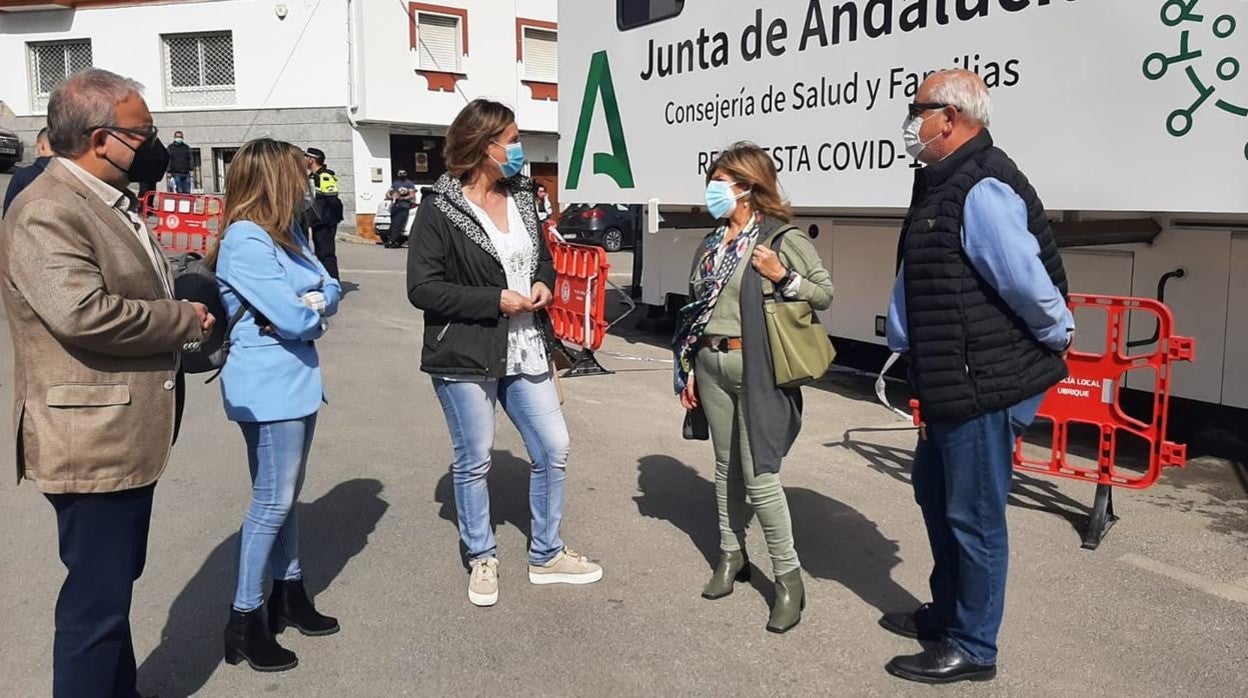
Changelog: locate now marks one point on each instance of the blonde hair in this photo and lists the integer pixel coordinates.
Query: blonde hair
(750, 165)
(470, 135)
(266, 182)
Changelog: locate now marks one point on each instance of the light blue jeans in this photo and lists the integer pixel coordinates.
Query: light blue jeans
(277, 453)
(532, 404)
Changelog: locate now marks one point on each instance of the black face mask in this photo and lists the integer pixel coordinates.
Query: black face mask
(151, 159)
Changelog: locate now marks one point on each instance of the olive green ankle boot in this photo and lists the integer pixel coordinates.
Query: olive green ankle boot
(733, 566)
(790, 602)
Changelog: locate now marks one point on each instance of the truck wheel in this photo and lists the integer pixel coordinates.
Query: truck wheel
(613, 240)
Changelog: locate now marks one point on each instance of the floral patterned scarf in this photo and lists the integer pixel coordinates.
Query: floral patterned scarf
(714, 269)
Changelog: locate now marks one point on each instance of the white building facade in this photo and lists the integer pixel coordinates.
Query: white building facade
(414, 65)
(373, 83)
(221, 71)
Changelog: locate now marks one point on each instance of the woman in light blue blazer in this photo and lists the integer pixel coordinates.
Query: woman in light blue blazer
(271, 384)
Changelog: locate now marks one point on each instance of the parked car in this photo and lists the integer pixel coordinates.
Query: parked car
(10, 150)
(611, 226)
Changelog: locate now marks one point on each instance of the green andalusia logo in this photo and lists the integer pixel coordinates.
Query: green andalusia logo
(1201, 31)
(615, 164)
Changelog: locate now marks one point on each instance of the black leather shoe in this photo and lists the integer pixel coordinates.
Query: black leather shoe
(289, 606)
(913, 625)
(942, 663)
(248, 639)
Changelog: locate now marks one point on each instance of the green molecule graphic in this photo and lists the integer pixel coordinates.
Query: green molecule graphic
(1208, 31)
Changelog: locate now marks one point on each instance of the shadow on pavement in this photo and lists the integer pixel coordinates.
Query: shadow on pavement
(333, 529)
(833, 540)
(509, 497)
(1027, 492)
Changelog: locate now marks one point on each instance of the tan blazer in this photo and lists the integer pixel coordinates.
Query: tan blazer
(95, 338)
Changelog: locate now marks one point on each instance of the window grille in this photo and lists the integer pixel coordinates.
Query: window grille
(50, 63)
(199, 70)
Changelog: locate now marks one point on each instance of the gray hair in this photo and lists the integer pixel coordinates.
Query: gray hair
(966, 91)
(83, 102)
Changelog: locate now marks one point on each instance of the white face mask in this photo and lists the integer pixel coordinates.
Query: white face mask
(910, 128)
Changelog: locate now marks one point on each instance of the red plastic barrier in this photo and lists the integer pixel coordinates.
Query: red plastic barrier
(1090, 396)
(183, 222)
(579, 308)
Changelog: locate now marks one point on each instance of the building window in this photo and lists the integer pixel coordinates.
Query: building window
(221, 159)
(438, 37)
(199, 69)
(541, 55)
(50, 63)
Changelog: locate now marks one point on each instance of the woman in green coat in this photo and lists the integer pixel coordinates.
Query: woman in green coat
(724, 365)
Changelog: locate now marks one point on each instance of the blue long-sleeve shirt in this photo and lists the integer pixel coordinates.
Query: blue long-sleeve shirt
(1003, 251)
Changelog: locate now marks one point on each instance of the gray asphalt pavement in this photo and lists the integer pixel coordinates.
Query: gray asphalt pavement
(1160, 610)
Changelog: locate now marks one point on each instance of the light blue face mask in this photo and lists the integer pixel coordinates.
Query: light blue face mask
(720, 200)
(515, 159)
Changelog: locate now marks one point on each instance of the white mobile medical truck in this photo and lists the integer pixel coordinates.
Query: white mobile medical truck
(1130, 117)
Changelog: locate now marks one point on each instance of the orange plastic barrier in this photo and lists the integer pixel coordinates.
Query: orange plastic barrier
(579, 308)
(1090, 395)
(183, 222)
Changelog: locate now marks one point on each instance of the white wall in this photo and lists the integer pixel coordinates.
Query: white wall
(390, 91)
(371, 146)
(126, 40)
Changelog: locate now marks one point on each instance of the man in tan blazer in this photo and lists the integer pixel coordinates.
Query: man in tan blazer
(97, 390)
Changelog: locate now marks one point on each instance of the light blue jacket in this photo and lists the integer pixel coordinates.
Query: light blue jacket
(275, 376)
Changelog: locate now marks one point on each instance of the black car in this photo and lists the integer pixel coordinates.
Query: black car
(10, 150)
(610, 226)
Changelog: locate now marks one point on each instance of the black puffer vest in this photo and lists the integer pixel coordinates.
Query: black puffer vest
(969, 353)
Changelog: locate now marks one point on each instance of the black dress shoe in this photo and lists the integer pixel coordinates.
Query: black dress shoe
(942, 663)
(914, 625)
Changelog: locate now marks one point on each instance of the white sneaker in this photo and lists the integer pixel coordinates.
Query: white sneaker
(483, 582)
(567, 568)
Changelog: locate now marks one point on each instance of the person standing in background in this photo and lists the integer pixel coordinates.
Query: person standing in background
(404, 198)
(181, 163)
(544, 209)
(24, 176)
(326, 209)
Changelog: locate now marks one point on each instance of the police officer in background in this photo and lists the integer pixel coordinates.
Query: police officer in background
(326, 209)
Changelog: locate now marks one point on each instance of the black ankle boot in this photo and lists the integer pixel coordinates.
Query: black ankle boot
(247, 638)
(289, 606)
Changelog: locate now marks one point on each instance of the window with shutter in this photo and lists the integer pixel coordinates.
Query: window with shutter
(541, 55)
(438, 36)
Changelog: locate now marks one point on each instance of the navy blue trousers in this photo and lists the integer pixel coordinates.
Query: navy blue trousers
(103, 544)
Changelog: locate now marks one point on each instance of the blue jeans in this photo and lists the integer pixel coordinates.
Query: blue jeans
(182, 183)
(277, 453)
(961, 481)
(532, 404)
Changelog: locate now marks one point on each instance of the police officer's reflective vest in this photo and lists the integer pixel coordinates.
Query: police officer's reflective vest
(325, 182)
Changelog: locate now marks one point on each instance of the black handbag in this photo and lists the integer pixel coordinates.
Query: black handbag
(695, 427)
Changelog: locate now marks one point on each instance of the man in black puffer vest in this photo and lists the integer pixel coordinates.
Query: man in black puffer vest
(979, 306)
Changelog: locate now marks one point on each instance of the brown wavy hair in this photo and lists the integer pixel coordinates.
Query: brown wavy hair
(470, 134)
(266, 182)
(752, 166)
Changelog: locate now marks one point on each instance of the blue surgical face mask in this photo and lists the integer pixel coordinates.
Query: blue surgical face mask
(515, 159)
(720, 199)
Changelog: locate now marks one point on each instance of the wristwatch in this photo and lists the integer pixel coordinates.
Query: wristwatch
(786, 279)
